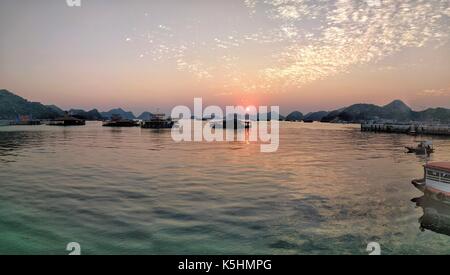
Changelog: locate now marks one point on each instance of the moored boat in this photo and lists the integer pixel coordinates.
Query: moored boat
(424, 147)
(158, 121)
(118, 121)
(436, 182)
(67, 120)
(231, 124)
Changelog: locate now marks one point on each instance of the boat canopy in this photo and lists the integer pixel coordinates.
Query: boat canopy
(160, 115)
(427, 143)
(445, 166)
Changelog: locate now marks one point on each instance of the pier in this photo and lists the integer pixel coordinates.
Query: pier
(407, 128)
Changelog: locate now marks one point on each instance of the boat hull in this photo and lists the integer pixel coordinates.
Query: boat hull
(67, 123)
(434, 192)
(128, 124)
(419, 151)
(230, 124)
(158, 125)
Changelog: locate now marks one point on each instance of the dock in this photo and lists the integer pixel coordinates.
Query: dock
(408, 128)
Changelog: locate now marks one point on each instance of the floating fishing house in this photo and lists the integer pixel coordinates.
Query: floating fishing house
(158, 121)
(118, 121)
(67, 121)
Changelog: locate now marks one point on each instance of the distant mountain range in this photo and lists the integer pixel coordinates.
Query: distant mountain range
(120, 112)
(295, 116)
(145, 116)
(315, 116)
(12, 106)
(126, 114)
(396, 111)
(86, 115)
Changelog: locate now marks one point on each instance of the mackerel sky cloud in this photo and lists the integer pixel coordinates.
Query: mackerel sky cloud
(307, 40)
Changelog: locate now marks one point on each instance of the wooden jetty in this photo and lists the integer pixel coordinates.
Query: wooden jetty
(407, 128)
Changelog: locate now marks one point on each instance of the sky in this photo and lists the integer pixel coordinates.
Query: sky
(306, 55)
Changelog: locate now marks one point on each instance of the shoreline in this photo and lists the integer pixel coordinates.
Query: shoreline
(407, 128)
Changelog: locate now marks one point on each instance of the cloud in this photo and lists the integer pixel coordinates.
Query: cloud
(353, 32)
(302, 40)
(436, 92)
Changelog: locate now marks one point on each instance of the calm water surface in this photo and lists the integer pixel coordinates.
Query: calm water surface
(329, 189)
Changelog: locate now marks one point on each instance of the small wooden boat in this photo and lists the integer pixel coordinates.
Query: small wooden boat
(118, 121)
(158, 121)
(231, 124)
(436, 181)
(67, 120)
(308, 121)
(424, 147)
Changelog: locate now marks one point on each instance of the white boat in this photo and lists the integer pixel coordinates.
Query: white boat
(436, 182)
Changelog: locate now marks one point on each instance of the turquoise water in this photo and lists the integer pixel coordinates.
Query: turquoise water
(329, 189)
